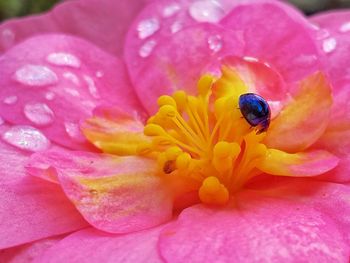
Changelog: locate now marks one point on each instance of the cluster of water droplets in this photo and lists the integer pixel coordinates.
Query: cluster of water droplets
(210, 11)
(329, 42)
(39, 113)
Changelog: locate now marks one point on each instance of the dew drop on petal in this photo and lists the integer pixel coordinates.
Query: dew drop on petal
(148, 27)
(10, 100)
(63, 59)
(171, 10)
(206, 11)
(147, 48)
(35, 75)
(176, 27)
(49, 95)
(345, 27)
(26, 138)
(72, 77)
(38, 113)
(73, 131)
(329, 45)
(215, 43)
(99, 74)
(92, 87)
(250, 59)
(72, 92)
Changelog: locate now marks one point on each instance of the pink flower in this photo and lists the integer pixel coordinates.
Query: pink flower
(195, 183)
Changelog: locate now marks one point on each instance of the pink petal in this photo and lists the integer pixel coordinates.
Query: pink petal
(329, 198)
(28, 252)
(338, 142)
(304, 119)
(302, 164)
(91, 245)
(177, 61)
(34, 209)
(256, 229)
(114, 194)
(11, 163)
(114, 131)
(275, 33)
(31, 208)
(333, 37)
(93, 20)
(53, 81)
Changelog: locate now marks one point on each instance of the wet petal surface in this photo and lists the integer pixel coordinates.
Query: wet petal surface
(81, 247)
(114, 194)
(257, 229)
(54, 87)
(304, 119)
(93, 20)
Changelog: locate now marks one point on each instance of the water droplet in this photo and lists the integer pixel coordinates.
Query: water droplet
(171, 10)
(26, 138)
(50, 95)
(35, 75)
(92, 87)
(206, 11)
(329, 44)
(147, 27)
(250, 59)
(215, 43)
(345, 27)
(72, 92)
(72, 77)
(63, 59)
(176, 27)
(10, 100)
(147, 48)
(73, 131)
(99, 74)
(38, 113)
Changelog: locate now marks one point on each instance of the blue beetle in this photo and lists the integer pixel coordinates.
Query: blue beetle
(255, 110)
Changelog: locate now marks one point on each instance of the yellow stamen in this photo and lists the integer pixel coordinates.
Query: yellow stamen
(206, 138)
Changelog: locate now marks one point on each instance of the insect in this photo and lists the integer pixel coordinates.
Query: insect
(255, 110)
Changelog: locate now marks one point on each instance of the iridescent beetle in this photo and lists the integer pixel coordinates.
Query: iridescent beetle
(255, 110)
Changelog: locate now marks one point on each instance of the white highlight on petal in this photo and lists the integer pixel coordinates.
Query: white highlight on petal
(39, 113)
(63, 59)
(148, 27)
(147, 48)
(26, 138)
(329, 45)
(35, 75)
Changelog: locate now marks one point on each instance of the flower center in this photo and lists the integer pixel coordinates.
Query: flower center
(208, 138)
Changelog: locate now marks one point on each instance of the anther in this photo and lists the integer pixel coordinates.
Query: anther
(167, 111)
(166, 100)
(153, 130)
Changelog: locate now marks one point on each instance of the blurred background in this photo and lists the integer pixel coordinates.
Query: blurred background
(14, 8)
